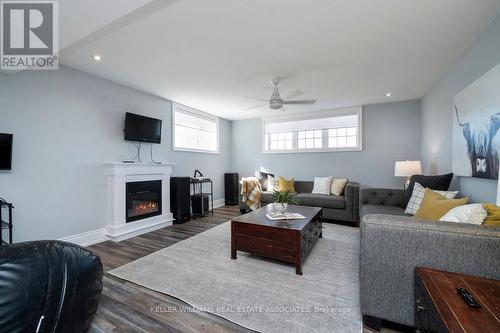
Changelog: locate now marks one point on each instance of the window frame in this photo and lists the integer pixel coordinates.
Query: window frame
(315, 115)
(186, 109)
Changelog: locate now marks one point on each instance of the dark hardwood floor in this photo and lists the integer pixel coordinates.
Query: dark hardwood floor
(127, 307)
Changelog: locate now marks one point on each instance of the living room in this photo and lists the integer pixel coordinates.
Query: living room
(325, 109)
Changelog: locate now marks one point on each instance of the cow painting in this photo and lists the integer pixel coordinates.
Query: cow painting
(479, 135)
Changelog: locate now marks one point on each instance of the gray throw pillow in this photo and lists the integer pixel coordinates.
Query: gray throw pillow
(262, 177)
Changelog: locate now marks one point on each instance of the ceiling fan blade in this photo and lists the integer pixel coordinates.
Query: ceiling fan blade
(257, 98)
(255, 107)
(292, 94)
(312, 101)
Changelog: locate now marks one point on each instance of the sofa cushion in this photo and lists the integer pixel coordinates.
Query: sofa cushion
(322, 185)
(418, 196)
(438, 182)
(302, 186)
(493, 217)
(286, 185)
(380, 209)
(262, 177)
(338, 185)
(434, 205)
(472, 213)
(320, 200)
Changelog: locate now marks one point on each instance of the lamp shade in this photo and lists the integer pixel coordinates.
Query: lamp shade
(407, 168)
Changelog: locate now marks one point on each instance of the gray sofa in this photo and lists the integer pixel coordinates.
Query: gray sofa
(342, 208)
(393, 244)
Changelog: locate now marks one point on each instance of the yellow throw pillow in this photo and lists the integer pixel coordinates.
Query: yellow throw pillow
(493, 217)
(434, 205)
(286, 185)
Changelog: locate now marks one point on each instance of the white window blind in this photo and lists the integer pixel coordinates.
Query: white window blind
(334, 130)
(194, 130)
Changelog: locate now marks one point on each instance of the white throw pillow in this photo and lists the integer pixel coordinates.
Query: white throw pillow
(272, 183)
(322, 185)
(418, 195)
(338, 185)
(472, 213)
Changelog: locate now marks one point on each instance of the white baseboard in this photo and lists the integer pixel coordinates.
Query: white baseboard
(219, 203)
(132, 229)
(100, 235)
(87, 238)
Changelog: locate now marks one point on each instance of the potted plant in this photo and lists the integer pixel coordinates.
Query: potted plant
(281, 201)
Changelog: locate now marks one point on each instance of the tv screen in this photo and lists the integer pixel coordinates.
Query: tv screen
(5, 151)
(142, 129)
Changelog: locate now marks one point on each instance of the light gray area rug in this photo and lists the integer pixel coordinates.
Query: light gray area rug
(257, 293)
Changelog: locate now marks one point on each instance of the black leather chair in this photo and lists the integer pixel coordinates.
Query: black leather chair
(48, 286)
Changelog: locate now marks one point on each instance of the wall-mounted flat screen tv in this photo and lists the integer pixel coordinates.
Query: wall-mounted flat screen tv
(5, 151)
(142, 129)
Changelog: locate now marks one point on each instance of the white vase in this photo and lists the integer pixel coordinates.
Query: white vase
(280, 207)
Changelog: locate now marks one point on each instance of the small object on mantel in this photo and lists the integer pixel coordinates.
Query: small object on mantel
(440, 308)
(128, 161)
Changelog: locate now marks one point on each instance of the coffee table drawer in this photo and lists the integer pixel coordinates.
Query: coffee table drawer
(265, 247)
(283, 236)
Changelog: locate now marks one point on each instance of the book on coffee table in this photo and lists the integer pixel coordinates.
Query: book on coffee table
(284, 216)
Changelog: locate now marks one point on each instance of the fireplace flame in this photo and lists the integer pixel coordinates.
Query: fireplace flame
(146, 206)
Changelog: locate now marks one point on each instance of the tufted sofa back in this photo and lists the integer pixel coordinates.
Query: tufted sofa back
(383, 197)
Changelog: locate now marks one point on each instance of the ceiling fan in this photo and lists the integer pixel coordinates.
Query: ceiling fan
(276, 101)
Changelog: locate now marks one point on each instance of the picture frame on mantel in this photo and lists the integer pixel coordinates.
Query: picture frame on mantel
(476, 123)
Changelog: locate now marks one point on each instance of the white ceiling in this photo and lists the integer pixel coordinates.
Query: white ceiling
(218, 55)
(79, 18)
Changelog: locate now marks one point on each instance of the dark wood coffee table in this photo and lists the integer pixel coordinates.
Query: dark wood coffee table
(285, 240)
(439, 308)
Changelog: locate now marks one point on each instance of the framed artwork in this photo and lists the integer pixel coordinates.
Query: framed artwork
(476, 121)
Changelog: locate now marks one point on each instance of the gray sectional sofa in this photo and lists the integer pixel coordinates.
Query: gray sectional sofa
(393, 244)
(342, 208)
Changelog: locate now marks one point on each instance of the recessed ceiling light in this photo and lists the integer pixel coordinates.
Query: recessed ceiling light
(388, 94)
(96, 57)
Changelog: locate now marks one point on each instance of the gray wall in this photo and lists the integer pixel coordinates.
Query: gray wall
(391, 132)
(437, 111)
(66, 124)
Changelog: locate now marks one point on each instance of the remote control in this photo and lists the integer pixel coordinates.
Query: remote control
(468, 298)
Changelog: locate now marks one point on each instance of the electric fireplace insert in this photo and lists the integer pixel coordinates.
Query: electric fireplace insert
(143, 200)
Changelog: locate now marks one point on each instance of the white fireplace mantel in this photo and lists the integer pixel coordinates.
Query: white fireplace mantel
(119, 174)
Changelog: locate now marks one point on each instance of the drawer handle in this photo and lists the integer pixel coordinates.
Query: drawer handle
(420, 307)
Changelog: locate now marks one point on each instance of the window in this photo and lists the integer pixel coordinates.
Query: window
(342, 137)
(281, 141)
(194, 130)
(334, 130)
(309, 139)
